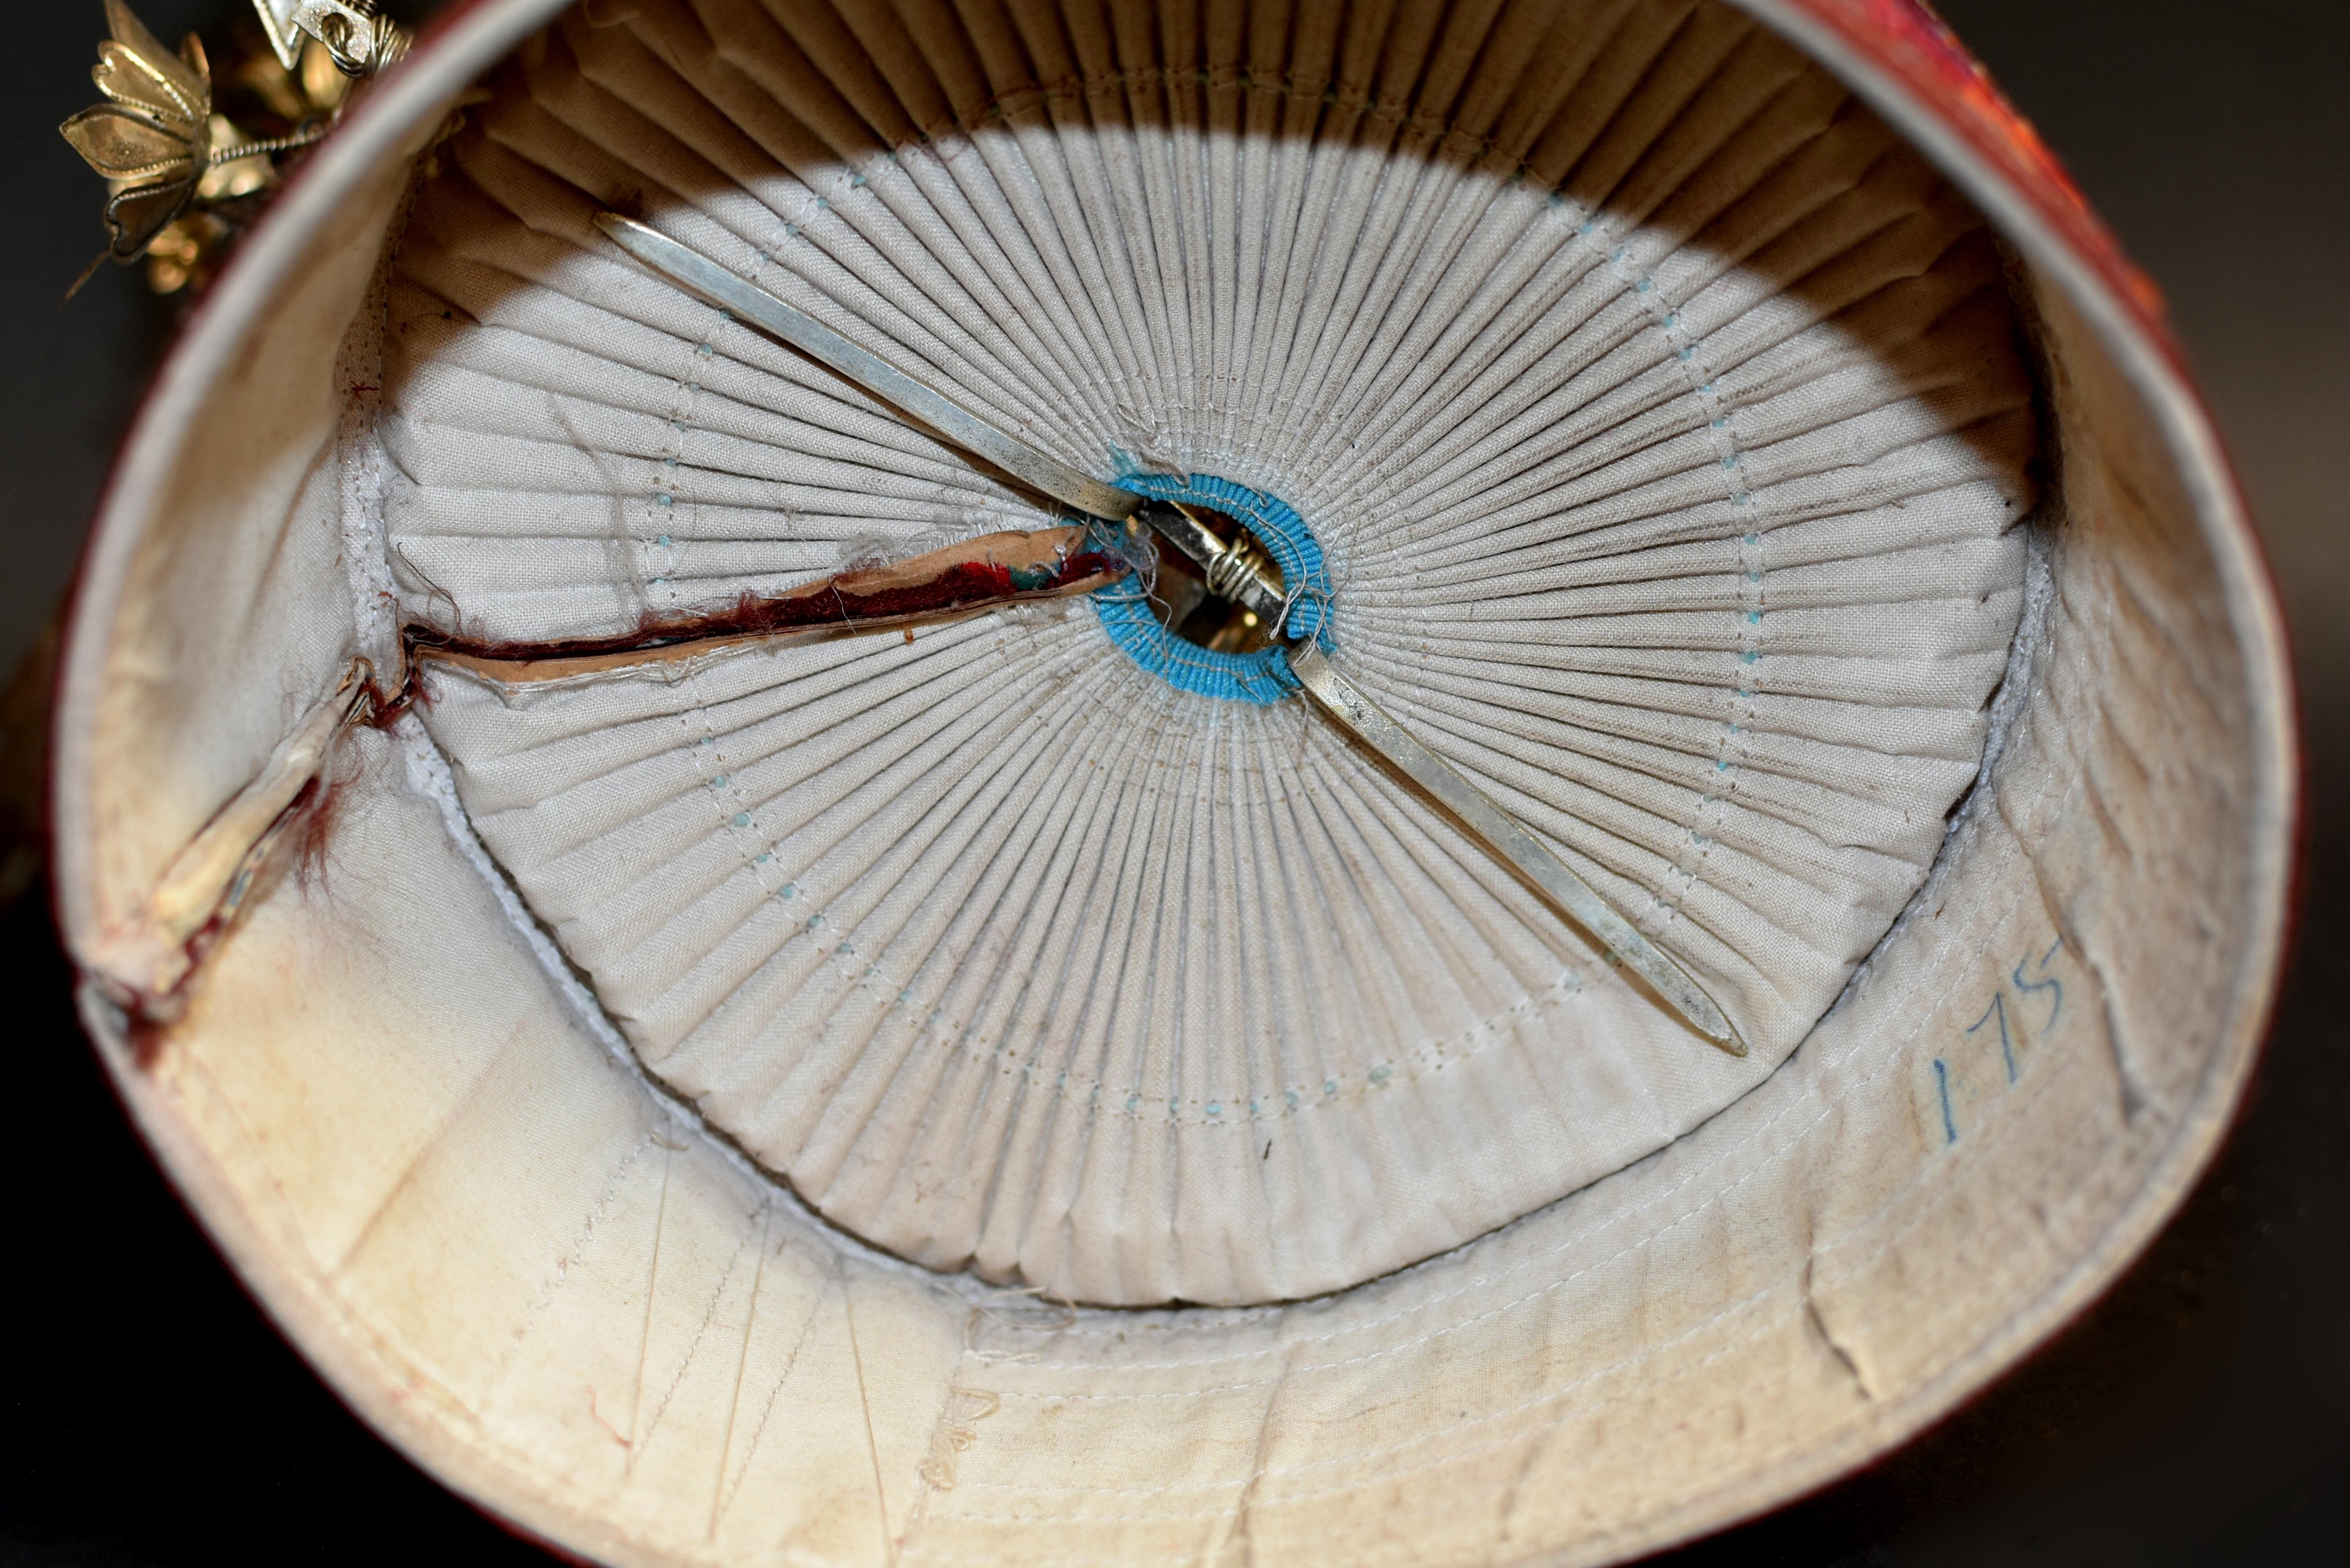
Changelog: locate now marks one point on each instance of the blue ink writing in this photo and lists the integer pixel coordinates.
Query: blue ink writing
(2031, 978)
(2048, 982)
(1998, 1009)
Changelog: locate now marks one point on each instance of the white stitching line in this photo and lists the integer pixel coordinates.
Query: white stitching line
(717, 1294)
(561, 1276)
(2072, 1061)
(1744, 1304)
(1722, 433)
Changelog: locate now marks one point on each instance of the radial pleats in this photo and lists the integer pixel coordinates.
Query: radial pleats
(1657, 415)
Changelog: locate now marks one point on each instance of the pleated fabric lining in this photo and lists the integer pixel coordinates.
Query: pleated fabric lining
(1659, 414)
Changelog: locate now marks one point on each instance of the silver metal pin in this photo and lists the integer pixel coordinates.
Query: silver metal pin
(705, 278)
(1237, 574)
(1507, 840)
(1232, 573)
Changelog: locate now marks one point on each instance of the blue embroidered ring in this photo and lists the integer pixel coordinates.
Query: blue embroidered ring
(1262, 677)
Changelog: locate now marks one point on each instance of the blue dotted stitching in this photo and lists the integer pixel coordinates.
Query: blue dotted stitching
(1722, 431)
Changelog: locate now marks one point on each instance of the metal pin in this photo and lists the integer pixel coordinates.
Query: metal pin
(1508, 840)
(1235, 573)
(705, 278)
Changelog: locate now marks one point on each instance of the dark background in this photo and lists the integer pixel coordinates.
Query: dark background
(151, 1417)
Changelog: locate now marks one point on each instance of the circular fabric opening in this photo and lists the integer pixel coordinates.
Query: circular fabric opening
(1260, 677)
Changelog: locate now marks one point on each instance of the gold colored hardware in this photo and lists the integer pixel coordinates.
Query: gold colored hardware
(184, 179)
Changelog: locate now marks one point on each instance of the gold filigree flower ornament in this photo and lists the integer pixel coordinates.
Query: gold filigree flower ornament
(171, 161)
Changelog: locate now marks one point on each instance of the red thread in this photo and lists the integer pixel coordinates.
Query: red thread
(968, 584)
